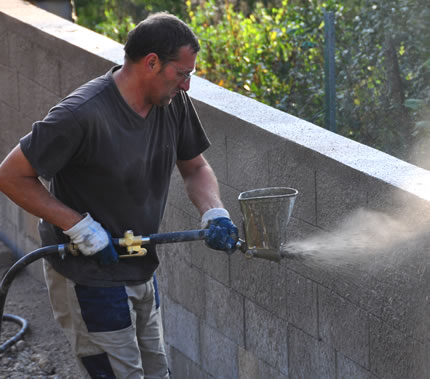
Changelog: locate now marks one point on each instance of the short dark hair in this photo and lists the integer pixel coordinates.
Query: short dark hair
(161, 33)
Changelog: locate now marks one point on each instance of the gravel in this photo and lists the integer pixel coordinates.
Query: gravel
(43, 352)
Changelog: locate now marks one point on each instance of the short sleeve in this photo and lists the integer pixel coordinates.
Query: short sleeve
(193, 139)
(53, 142)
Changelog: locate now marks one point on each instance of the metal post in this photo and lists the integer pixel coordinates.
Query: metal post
(329, 70)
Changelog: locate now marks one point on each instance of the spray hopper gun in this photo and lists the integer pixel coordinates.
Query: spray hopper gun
(266, 213)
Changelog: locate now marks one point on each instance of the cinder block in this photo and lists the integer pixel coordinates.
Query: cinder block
(293, 166)
(240, 129)
(229, 197)
(7, 129)
(176, 220)
(24, 126)
(35, 62)
(9, 232)
(9, 210)
(178, 196)
(298, 230)
(347, 369)
(162, 273)
(343, 326)
(248, 155)
(389, 283)
(403, 206)
(36, 268)
(13, 125)
(300, 305)
(252, 368)
(182, 367)
(213, 263)
(35, 101)
(248, 149)
(213, 122)
(3, 25)
(258, 280)
(401, 288)
(21, 126)
(247, 163)
(181, 329)
(380, 195)
(396, 355)
(340, 190)
(80, 68)
(4, 44)
(27, 243)
(75, 48)
(28, 225)
(266, 336)
(219, 354)
(225, 310)
(309, 357)
(9, 87)
(7, 258)
(185, 285)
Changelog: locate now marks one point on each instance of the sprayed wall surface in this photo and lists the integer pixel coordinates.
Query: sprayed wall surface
(354, 305)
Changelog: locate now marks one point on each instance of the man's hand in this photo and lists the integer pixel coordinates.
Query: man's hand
(93, 240)
(223, 234)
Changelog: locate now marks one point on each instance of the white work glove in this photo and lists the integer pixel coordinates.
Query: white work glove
(212, 214)
(223, 234)
(92, 239)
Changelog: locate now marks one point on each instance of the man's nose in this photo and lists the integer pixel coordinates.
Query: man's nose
(185, 85)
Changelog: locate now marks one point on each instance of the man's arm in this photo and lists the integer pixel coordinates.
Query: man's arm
(203, 190)
(201, 183)
(19, 181)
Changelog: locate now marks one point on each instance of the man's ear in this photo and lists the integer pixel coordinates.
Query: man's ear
(152, 61)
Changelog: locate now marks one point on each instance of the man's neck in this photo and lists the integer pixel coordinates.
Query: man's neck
(131, 90)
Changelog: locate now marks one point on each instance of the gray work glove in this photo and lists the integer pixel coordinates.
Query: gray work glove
(92, 240)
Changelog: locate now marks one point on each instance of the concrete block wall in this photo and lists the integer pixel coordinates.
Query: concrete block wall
(228, 316)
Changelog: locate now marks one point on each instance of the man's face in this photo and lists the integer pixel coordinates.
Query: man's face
(174, 76)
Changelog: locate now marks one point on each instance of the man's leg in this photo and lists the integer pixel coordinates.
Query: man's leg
(99, 325)
(149, 331)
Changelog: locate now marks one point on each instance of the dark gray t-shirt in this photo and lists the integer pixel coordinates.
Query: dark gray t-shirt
(103, 158)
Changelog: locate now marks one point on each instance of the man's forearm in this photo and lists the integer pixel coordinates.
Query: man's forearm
(201, 184)
(203, 190)
(31, 195)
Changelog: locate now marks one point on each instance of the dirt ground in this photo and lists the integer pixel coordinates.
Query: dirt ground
(44, 351)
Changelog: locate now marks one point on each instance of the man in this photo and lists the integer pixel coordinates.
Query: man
(108, 150)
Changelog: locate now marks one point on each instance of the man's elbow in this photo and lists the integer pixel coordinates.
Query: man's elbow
(14, 167)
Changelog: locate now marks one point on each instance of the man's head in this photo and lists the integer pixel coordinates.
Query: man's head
(160, 55)
(162, 34)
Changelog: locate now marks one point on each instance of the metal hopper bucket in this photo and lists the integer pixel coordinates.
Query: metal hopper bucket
(266, 213)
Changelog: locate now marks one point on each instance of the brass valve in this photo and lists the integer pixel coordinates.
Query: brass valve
(133, 244)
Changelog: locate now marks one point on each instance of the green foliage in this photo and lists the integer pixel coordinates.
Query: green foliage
(273, 55)
(371, 106)
(276, 56)
(115, 18)
(273, 51)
